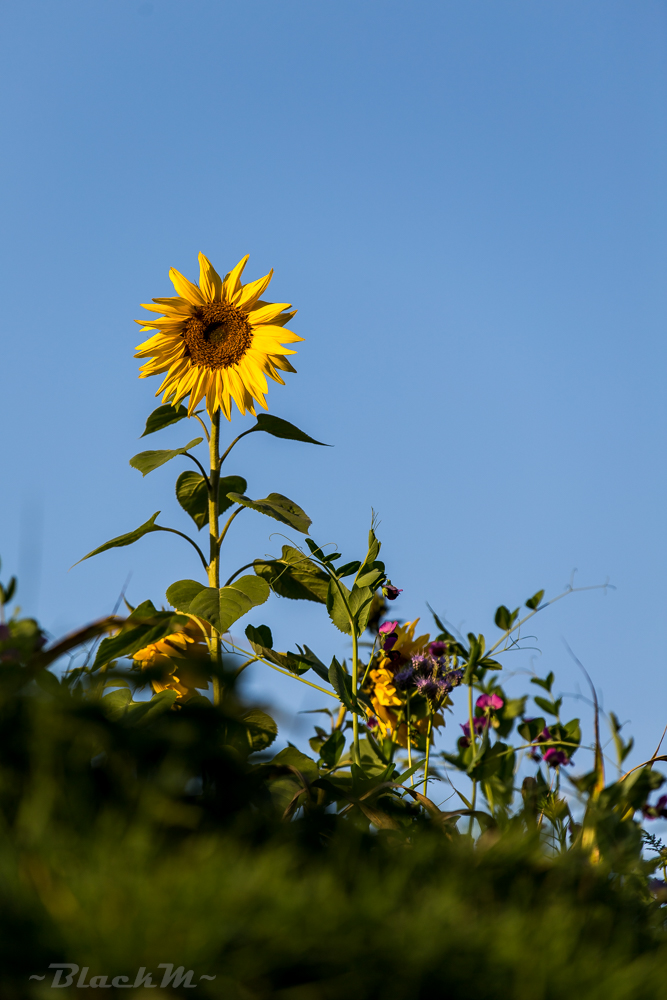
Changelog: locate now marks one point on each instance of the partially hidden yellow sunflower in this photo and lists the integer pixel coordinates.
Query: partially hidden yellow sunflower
(180, 662)
(218, 340)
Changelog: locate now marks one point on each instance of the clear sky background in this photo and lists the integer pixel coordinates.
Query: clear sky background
(465, 200)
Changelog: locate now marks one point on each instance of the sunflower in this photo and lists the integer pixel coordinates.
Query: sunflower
(218, 339)
(180, 662)
(389, 702)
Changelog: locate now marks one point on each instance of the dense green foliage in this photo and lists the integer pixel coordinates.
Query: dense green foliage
(129, 841)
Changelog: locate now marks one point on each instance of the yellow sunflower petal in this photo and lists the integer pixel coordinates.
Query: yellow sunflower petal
(247, 297)
(266, 312)
(210, 281)
(185, 288)
(233, 280)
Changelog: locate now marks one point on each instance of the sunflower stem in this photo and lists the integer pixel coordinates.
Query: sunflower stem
(213, 568)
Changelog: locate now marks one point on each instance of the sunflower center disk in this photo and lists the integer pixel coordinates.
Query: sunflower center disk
(217, 335)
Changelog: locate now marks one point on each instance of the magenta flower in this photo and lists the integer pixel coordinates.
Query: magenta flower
(479, 723)
(658, 811)
(490, 701)
(388, 635)
(391, 592)
(554, 757)
(437, 648)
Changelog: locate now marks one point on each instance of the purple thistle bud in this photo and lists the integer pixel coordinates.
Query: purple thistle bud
(427, 687)
(403, 677)
(422, 663)
(437, 648)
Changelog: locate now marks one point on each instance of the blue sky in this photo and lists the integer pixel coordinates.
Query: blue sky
(466, 202)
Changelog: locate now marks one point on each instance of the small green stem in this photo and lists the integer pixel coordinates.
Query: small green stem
(471, 723)
(408, 722)
(428, 749)
(227, 527)
(235, 441)
(159, 527)
(249, 565)
(200, 466)
(197, 417)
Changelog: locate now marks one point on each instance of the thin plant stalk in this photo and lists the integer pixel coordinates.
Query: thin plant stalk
(428, 749)
(471, 722)
(408, 721)
(355, 681)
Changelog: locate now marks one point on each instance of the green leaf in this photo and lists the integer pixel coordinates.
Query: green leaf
(279, 507)
(224, 607)
(163, 416)
(115, 704)
(340, 682)
(192, 494)
(294, 576)
(531, 729)
(552, 707)
(146, 461)
(369, 565)
(261, 640)
(262, 729)
(546, 683)
(336, 596)
(490, 762)
(143, 712)
(573, 731)
(128, 539)
(348, 569)
(360, 606)
(332, 748)
(182, 593)
(283, 429)
(294, 758)
(502, 618)
(534, 601)
(259, 636)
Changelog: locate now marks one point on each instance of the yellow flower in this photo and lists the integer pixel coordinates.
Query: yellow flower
(386, 698)
(218, 339)
(182, 659)
(406, 645)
